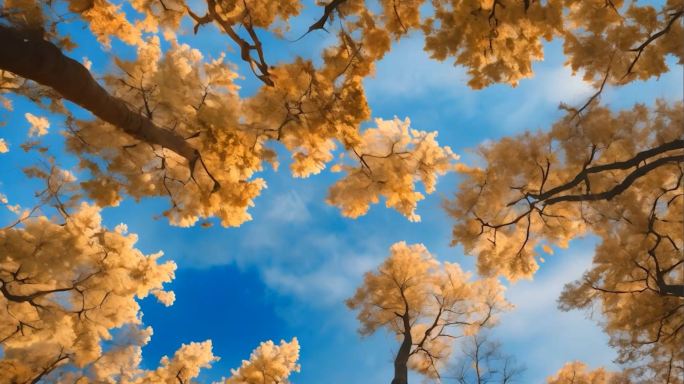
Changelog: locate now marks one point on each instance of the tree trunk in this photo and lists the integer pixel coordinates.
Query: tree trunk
(33, 58)
(401, 360)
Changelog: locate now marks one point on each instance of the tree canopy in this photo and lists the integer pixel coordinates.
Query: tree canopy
(167, 120)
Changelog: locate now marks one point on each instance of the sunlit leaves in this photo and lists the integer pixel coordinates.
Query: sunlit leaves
(388, 163)
(616, 175)
(557, 185)
(63, 288)
(497, 41)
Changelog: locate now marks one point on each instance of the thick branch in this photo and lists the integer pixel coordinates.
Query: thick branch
(27, 298)
(619, 188)
(43, 62)
(618, 165)
(245, 47)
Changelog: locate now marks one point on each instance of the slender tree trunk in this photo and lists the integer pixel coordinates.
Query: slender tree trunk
(477, 360)
(31, 57)
(401, 360)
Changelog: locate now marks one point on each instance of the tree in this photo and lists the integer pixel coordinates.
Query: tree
(577, 372)
(425, 304)
(616, 175)
(213, 128)
(168, 121)
(483, 362)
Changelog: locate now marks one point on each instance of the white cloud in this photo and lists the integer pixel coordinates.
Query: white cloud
(538, 98)
(322, 270)
(288, 207)
(668, 87)
(407, 77)
(558, 85)
(281, 212)
(322, 284)
(408, 72)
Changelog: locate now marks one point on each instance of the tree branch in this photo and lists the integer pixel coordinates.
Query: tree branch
(550, 196)
(640, 49)
(246, 48)
(327, 13)
(43, 62)
(619, 188)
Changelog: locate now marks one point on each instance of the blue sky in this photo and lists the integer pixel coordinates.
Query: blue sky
(287, 272)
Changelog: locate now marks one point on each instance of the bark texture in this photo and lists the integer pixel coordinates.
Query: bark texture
(401, 360)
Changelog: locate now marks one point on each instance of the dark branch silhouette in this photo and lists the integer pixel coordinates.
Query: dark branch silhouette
(327, 13)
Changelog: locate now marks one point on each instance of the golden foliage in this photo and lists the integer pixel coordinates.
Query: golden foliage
(612, 174)
(64, 287)
(312, 109)
(616, 175)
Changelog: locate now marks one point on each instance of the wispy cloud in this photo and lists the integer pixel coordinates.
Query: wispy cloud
(328, 283)
(289, 208)
(539, 98)
(397, 77)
